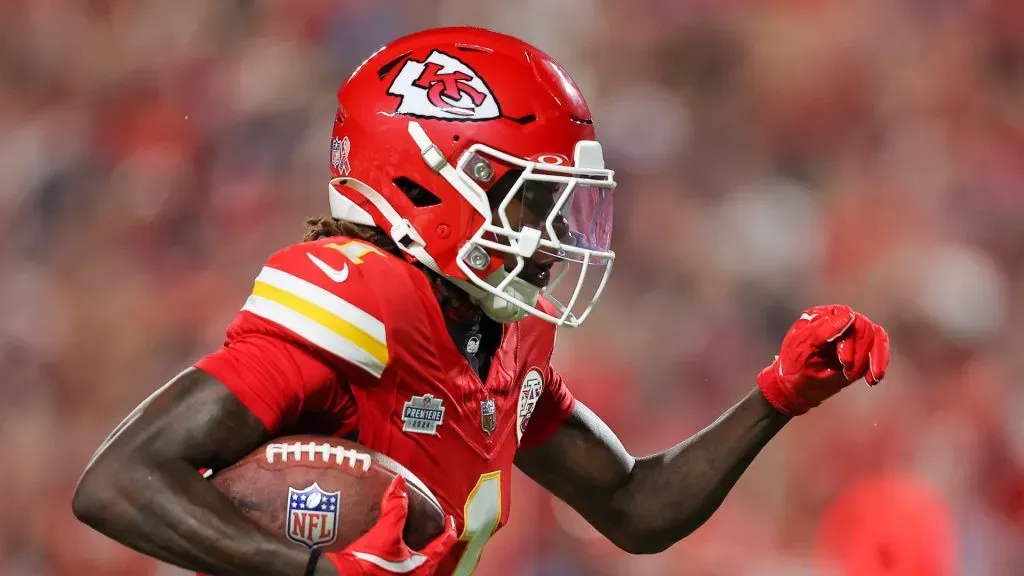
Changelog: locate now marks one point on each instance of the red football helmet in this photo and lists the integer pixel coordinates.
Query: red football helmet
(476, 153)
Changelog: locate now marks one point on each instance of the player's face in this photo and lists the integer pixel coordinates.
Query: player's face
(530, 208)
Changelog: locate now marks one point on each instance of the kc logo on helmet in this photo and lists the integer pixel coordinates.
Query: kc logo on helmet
(443, 87)
(312, 516)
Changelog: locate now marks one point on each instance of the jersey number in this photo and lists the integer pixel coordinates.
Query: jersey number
(354, 250)
(480, 516)
(483, 507)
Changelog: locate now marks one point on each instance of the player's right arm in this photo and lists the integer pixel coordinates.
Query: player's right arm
(143, 490)
(298, 330)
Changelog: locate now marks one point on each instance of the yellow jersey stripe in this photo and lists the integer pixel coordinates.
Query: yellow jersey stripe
(325, 318)
(315, 333)
(324, 299)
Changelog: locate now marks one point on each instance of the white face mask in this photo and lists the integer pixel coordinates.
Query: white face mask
(573, 229)
(572, 222)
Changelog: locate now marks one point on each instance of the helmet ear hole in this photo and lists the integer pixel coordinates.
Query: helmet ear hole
(418, 195)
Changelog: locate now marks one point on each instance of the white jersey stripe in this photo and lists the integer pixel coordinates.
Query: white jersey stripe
(315, 333)
(324, 299)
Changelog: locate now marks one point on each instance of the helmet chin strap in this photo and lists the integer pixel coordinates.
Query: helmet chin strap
(495, 307)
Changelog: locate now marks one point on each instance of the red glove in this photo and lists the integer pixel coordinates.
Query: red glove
(824, 351)
(381, 551)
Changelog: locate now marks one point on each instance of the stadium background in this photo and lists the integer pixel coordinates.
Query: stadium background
(771, 154)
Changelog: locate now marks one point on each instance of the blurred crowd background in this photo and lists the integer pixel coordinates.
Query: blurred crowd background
(771, 154)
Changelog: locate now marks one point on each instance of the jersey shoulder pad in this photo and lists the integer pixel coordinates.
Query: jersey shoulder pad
(320, 294)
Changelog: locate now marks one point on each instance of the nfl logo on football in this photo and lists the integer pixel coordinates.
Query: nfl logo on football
(312, 516)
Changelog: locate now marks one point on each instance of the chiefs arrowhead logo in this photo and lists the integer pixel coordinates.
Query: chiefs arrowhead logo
(443, 87)
(529, 395)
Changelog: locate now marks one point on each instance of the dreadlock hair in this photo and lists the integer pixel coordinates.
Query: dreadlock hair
(328, 226)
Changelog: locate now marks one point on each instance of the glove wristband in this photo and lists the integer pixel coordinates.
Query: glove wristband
(772, 389)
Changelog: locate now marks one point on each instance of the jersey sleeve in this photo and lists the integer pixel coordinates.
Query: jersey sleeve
(317, 295)
(309, 324)
(554, 407)
(273, 377)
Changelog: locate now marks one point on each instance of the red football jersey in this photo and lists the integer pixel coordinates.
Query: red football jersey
(339, 336)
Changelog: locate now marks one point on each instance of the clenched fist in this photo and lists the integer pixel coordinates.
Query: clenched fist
(824, 351)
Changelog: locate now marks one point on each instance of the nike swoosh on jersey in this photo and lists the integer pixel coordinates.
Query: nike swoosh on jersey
(403, 567)
(338, 276)
(808, 317)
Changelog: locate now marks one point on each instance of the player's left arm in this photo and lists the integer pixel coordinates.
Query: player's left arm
(646, 504)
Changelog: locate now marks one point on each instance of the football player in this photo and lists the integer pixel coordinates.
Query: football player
(471, 212)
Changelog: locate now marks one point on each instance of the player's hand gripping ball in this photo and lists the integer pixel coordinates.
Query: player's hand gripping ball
(382, 552)
(828, 348)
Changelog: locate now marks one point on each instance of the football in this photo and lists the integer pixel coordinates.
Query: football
(325, 492)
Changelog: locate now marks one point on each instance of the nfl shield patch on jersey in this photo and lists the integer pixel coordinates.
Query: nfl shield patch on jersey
(312, 516)
(422, 415)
